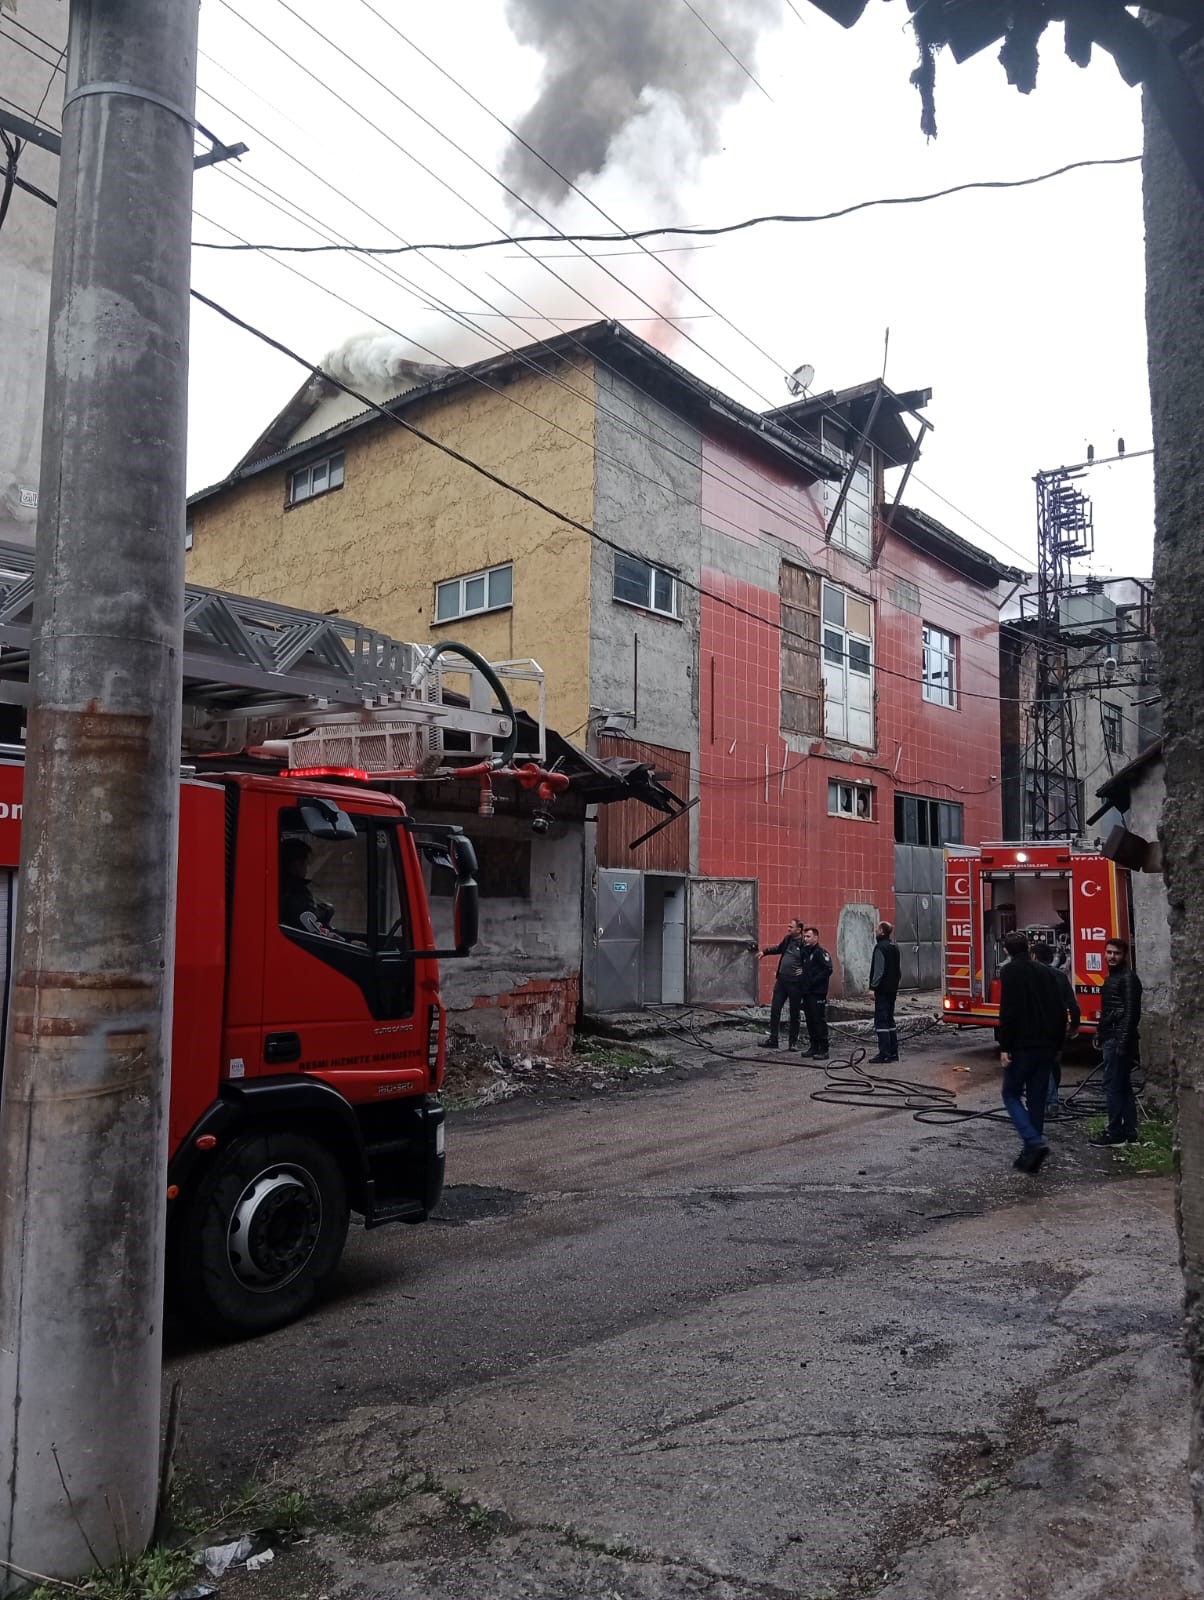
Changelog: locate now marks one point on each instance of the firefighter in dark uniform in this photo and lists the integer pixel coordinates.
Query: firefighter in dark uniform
(817, 974)
(787, 987)
(885, 969)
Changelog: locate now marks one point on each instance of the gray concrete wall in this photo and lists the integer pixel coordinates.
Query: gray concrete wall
(27, 80)
(647, 498)
(1151, 930)
(522, 941)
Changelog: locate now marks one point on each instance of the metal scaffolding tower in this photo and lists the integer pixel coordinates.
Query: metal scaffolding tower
(1065, 533)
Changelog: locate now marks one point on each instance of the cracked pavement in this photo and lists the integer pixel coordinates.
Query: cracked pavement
(711, 1338)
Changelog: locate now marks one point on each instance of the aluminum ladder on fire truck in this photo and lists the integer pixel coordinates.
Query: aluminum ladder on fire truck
(256, 672)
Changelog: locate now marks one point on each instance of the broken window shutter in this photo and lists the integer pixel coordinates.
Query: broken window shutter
(801, 681)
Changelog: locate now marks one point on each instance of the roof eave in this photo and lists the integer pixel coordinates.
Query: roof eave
(760, 428)
(952, 550)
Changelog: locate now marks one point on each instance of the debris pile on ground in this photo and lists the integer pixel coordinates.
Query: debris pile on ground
(480, 1074)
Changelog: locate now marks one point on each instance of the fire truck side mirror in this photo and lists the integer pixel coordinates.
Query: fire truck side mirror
(468, 893)
(324, 820)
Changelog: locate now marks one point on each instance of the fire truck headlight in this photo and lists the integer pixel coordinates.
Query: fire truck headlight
(948, 1005)
(1021, 855)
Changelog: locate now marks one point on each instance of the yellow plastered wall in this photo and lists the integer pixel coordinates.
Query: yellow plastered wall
(409, 516)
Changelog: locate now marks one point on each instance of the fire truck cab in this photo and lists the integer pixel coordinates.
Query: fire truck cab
(307, 1035)
(1073, 898)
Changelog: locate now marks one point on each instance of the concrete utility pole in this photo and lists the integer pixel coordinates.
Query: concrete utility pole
(1174, 221)
(82, 1118)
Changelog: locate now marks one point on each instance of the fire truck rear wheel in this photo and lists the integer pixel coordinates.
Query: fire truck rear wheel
(264, 1233)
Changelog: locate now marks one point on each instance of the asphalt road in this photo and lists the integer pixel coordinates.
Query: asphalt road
(713, 1338)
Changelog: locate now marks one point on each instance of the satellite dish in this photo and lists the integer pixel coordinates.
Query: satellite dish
(801, 379)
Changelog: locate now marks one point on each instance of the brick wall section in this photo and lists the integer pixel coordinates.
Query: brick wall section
(536, 1019)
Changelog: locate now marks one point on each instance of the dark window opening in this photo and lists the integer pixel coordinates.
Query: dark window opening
(503, 871)
(933, 823)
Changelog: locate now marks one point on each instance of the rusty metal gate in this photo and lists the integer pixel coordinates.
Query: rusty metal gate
(723, 928)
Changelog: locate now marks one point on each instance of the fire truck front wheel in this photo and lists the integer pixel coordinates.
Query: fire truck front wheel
(263, 1234)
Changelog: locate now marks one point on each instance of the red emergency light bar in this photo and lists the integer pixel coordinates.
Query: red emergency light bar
(326, 772)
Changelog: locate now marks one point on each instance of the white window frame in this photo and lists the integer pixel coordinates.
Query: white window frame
(188, 533)
(939, 666)
(845, 798)
(854, 530)
(652, 603)
(460, 586)
(847, 665)
(330, 471)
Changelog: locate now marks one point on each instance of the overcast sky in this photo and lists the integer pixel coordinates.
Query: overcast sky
(1022, 310)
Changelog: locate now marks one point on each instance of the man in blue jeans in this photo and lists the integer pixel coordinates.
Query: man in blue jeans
(1032, 1026)
(1119, 1020)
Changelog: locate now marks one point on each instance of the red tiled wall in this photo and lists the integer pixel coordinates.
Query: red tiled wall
(778, 829)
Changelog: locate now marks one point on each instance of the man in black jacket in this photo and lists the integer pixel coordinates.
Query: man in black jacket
(788, 986)
(1119, 1020)
(884, 986)
(1044, 952)
(1032, 1026)
(816, 975)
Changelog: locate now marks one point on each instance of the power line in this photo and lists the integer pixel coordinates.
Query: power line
(727, 480)
(483, 382)
(697, 231)
(786, 513)
(723, 45)
(743, 491)
(514, 134)
(534, 500)
(751, 613)
(29, 49)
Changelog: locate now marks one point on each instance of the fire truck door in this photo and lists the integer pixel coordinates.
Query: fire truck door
(338, 984)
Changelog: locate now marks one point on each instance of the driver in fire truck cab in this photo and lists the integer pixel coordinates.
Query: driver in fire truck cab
(298, 906)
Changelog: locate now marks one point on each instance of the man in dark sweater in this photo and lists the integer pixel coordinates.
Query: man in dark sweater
(885, 968)
(1032, 1026)
(1119, 1020)
(788, 986)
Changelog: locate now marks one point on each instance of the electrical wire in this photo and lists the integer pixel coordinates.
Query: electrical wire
(12, 155)
(786, 513)
(518, 198)
(752, 778)
(969, 693)
(845, 653)
(526, 204)
(601, 212)
(28, 48)
(774, 508)
(698, 231)
(723, 45)
(539, 314)
(523, 494)
(552, 421)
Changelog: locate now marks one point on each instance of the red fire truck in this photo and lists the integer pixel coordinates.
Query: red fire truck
(308, 1033)
(1075, 899)
(307, 1042)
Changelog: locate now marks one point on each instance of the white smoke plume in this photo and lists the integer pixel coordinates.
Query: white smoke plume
(609, 64)
(380, 365)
